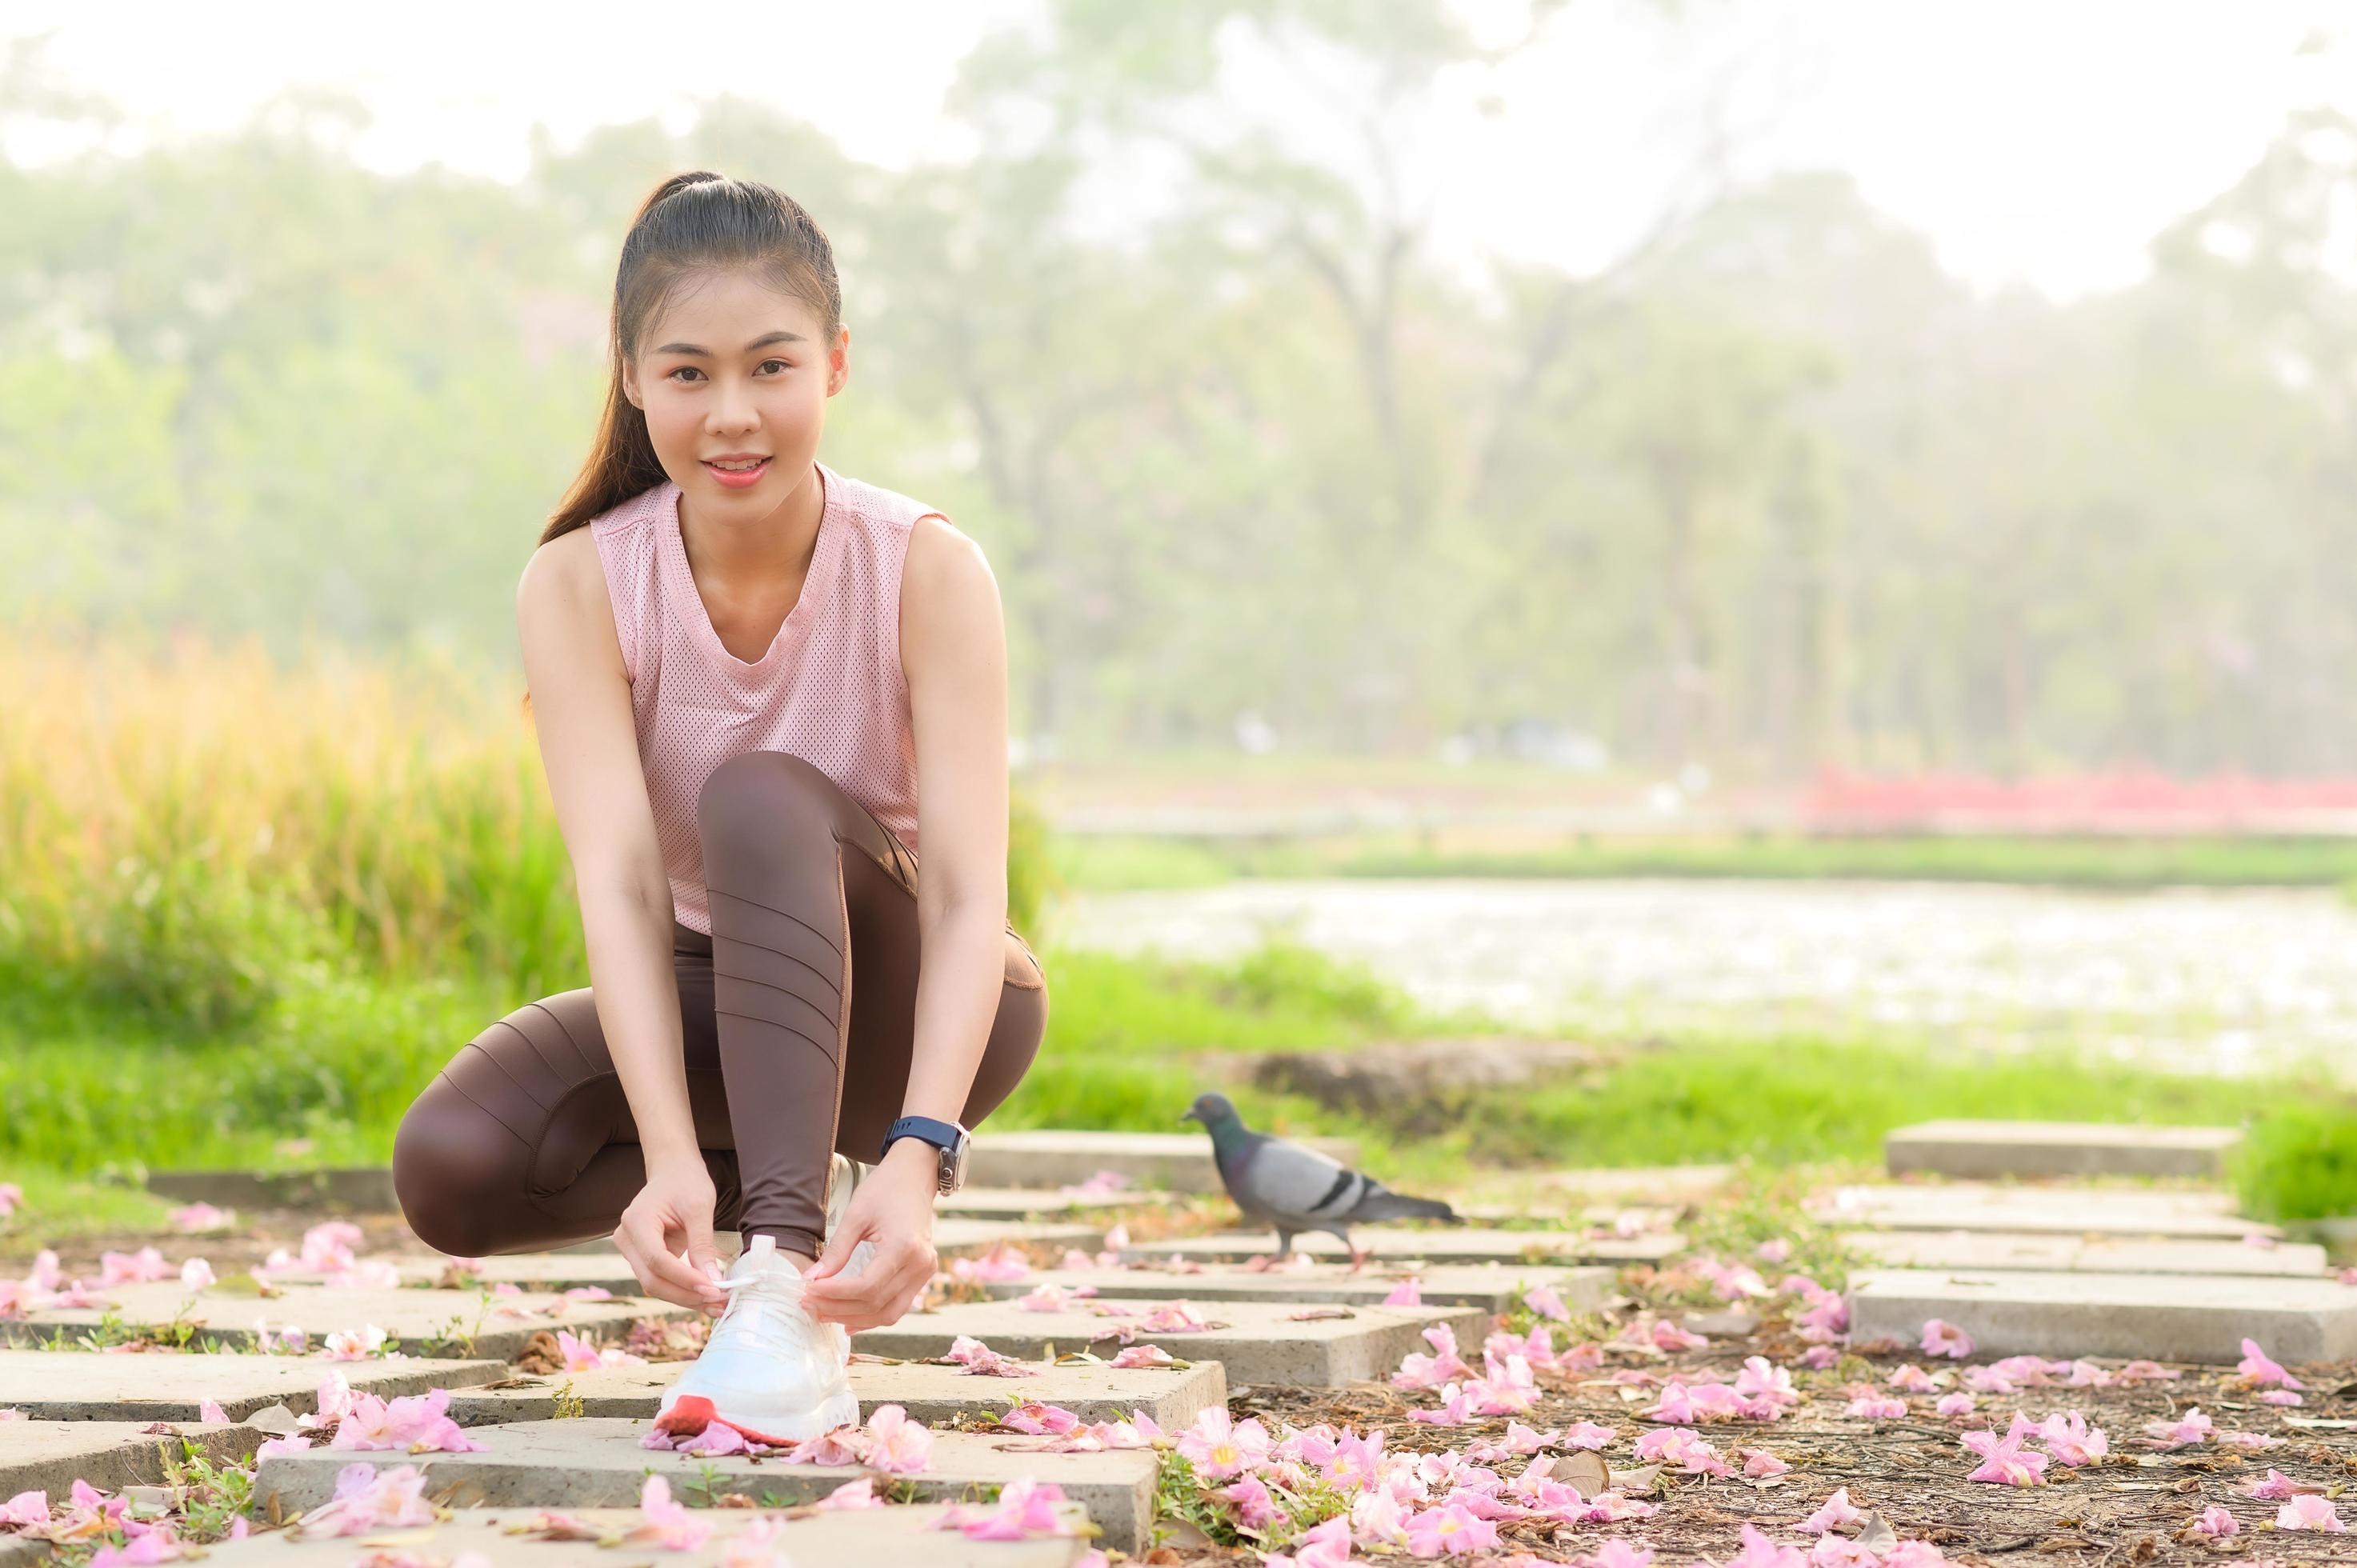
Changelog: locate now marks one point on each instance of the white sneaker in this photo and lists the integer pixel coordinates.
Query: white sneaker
(841, 1181)
(768, 1368)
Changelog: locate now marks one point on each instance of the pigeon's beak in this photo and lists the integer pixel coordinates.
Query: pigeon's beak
(1188, 1115)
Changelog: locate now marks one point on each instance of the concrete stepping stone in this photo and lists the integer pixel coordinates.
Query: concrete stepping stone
(49, 1456)
(935, 1395)
(2007, 1250)
(1511, 1214)
(419, 1322)
(1179, 1162)
(954, 1236)
(972, 1202)
(1459, 1244)
(596, 1462)
(2069, 1212)
(1263, 1341)
(836, 1536)
(73, 1385)
(2181, 1317)
(1661, 1183)
(2124, 1195)
(363, 1188)
(2058, 1148)
(1493, 1287)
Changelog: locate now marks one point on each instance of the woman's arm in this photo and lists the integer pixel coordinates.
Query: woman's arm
(953, 650)
(588, 745)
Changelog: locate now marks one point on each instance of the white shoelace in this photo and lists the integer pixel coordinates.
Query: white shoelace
(765, 1311)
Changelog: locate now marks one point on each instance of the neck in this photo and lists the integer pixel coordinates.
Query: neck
(738, 548)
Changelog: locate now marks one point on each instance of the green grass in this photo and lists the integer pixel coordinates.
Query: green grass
(1782, 1102)
(2299, 1162)
(1112, 863)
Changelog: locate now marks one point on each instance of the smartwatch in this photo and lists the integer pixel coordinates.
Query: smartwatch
(948, 1137)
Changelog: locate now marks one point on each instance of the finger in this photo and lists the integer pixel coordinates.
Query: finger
(888, 1278)
(893, 1303)
(658, 1265)
(700, 1247)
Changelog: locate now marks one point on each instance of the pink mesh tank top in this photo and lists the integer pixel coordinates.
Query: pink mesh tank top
(830, 689)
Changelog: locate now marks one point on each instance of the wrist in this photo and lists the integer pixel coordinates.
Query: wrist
(664, 1160)
(912, 1153)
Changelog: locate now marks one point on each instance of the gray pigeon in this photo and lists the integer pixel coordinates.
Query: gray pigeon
(1296, 1189)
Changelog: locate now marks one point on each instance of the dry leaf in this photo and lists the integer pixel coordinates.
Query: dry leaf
(1876, 1534)
(1637, 1482)
(1587, 1470)
(275, 1420)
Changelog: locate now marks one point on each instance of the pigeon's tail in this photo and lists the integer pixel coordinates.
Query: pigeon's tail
(1400, 1205)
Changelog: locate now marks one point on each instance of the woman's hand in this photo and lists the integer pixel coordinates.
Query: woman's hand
(673, 1212)
(893, 1206)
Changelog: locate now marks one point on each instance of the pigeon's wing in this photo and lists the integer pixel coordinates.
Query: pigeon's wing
(1298, 1183)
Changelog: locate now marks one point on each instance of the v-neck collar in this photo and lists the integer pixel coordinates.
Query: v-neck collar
(688, 604)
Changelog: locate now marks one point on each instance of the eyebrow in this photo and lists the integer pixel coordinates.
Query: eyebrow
(761, 342)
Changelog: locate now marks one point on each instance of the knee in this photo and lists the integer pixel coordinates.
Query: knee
(447, 1174)
(763, 798)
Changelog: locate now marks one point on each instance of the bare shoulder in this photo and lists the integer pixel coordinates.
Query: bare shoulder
(944, 563)
(948, 597)
(561, 603)
(562, 572)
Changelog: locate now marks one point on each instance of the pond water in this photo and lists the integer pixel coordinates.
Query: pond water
(2219, 980)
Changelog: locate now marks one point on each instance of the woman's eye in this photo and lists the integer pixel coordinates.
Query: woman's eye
(765, 365)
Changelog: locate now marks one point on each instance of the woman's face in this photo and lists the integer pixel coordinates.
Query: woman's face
(733, 367)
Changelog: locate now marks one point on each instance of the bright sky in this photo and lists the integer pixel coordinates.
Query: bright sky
(2033, 140)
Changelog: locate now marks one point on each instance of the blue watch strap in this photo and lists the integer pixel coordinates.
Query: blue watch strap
(940, 1134)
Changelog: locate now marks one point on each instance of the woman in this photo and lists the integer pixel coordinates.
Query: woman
(745, 670)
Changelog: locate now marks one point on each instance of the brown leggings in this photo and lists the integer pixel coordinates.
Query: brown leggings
(525, 1141)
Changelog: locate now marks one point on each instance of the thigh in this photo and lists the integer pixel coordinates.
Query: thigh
(526, 1140)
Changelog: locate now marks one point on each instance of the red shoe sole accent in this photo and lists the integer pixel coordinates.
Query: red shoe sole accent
(691, 1413)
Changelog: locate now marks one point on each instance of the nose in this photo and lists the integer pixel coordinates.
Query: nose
(732, 408)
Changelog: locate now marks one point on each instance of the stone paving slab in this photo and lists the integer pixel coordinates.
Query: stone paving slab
(597, 1463)
(900, 1533)
(2009, 1250)
(1179, 1162)
(23, 1552)
(2166, 1318)
(2122, 1195)
(50, 1455)
(1263, 1342)
(933, 1395)
(954, 1236)
(1460, 1244)
(73, 1385)
(2057, 1148)
(971, 1202)
(1492, 1287)
(365, 1189)
(1660, 1183)
(420, 1321)
(1932, 1208)
(1653, 1217)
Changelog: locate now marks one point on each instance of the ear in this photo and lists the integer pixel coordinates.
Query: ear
(630, 385)
(838, 362)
